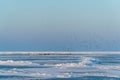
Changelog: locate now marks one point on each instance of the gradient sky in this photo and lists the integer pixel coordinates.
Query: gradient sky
(59, 25)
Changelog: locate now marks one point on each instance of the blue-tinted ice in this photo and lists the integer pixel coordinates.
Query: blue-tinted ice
(60, 67)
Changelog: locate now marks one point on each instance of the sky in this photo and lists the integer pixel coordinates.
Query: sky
(59, 25)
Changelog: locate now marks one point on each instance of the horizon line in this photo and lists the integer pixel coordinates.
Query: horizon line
(60, 52)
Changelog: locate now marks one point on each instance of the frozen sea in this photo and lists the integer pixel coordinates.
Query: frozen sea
(60, 67)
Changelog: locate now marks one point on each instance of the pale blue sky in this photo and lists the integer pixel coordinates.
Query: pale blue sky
(59, 25)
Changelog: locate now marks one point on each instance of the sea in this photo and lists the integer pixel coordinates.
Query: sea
(60, 67)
